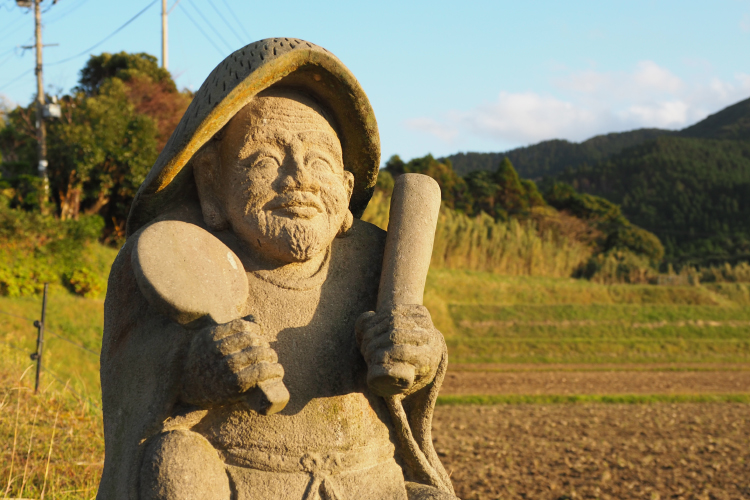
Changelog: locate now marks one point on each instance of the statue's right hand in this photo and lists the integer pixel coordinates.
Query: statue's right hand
(226, 361)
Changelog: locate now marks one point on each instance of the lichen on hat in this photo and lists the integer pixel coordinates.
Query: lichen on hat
(285, 62)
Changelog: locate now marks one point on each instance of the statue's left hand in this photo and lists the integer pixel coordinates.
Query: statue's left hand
(402, 349)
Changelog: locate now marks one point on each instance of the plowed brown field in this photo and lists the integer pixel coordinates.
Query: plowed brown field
(596, 379)
(650, 451)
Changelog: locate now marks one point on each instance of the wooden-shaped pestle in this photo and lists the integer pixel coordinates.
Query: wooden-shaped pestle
(415, 205)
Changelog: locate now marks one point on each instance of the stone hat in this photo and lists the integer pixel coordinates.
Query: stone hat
(287, 62)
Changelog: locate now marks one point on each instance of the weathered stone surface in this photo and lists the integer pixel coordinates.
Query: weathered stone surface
(192, 374)
(187, 274)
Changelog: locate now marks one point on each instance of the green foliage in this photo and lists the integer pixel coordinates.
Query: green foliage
(618, 266)
(691, 193)
(617, 232)
(384, 183)
(123, 66)
(85, 282)
(452, 187)
(732, 122)
(37, 249)
(101, 153)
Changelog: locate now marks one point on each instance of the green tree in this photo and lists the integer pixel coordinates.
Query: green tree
(100, 152)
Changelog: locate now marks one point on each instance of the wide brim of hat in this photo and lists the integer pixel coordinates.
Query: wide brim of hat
(287, 62)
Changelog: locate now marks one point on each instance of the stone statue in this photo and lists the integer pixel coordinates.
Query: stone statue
(247, 352)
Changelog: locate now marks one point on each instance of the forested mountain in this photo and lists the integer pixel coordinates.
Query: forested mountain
(549, 158)
(694, 194)
(691, 188)
(729, 123)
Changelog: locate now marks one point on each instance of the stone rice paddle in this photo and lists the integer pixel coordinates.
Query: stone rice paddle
(190, 276)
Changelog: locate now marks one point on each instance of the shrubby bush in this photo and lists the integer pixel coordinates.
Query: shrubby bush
(618, 266)
(37, 249)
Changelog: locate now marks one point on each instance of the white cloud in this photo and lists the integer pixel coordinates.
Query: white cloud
(745, 23)
(445, 133)
(521, 117)
(590, 103)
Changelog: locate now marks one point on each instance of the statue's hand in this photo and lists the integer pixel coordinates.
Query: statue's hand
(225, 361)
(402, 349)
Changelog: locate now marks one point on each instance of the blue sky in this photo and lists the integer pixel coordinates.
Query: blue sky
(442, 76)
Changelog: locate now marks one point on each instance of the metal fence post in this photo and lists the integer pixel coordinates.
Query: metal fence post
(40, 339)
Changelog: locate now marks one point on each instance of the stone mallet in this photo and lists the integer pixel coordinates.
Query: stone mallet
(190, 276)
(415, 206)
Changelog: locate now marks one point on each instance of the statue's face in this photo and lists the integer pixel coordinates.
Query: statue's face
(284, 188)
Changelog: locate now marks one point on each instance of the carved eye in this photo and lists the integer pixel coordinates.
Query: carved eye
(265, 161)
(320, 165)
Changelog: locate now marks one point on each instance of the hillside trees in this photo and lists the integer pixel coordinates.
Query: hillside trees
(692, 193)
(113, 126)
(505, 197)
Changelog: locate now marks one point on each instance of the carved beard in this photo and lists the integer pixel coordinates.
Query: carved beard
(293, 239)
(298, 238)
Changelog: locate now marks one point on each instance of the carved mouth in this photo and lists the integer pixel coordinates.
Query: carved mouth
(298, 204)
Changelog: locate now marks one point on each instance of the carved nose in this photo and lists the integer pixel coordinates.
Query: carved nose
(300, 178)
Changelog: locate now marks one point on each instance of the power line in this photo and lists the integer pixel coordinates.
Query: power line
(184, 10)
(14, 80)
(105, 38)
(69, 11)
(7, 34)
(203, 16)
(227, 23)
(242, 26)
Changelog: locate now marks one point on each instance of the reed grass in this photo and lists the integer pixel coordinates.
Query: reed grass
(482, 244)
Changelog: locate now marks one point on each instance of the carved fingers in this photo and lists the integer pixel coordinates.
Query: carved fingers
(402, 348)
(225, 361)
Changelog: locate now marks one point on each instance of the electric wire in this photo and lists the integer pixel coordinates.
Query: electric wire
(105, 38)
(213, 6)
(242, 26)
(184, 11)
(17, 316)
(218, 34)
(65, 13)
(67, 386)
(13, 346)
(72, 342)
(80, 346)
(7, 34)
(14, 80)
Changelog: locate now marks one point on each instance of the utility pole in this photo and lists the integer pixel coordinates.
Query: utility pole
(164, 55)
(41, 132)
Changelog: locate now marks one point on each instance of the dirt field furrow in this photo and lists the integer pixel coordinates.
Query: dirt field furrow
(595, 382)
(556, 452)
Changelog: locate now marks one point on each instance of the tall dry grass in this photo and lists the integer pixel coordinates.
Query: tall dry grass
(51, 443)
(482, 244)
